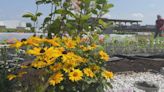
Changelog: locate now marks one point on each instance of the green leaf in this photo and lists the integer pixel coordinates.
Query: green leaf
(109, 84)
(85, 17)
(100, 88)
(34, 18)
(104, 24)
(47, 19)
(28, 15)
(55, 26)
(94, 11)
(98, 7)
(48, 1)
(28, 25)
(101, 1)
(38, 14)
(38, 2)
(31, 16)
(109, 5)
(61, 11)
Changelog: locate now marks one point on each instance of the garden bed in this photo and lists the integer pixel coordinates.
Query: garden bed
(136, 65)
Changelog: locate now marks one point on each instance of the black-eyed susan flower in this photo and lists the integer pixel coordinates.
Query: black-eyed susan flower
(107, 74)
(104, 56)
(69, 43)
(67, 67)
(94, 68)
(72, 58)
(38, 64)
(88, 72)
(56, 78)
(75, 75)
(17, 44)
(34, 41)
(53, 42)
(35, 51)
(56, 67)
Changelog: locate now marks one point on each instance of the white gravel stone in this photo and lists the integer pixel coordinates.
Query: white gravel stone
(124, 82)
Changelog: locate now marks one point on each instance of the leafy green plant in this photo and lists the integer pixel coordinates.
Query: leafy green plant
(74, 17)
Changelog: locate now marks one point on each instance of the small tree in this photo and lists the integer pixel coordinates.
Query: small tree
(72, 16)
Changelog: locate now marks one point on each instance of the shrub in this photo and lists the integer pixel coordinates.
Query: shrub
(73, 64)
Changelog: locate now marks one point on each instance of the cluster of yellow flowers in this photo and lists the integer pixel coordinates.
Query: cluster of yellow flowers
(67, 58)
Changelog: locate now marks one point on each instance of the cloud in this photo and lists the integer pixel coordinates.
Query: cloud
(107, 16)
(137, 15)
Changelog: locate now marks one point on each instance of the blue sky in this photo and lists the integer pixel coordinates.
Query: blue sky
(145, 10)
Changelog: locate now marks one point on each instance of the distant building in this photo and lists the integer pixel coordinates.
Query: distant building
(21, 28)
(13, 24)
(2, 25)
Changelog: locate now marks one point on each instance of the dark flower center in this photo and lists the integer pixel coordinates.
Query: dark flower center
(42, 51)
(23, 40)
(75, 74)
(64, 52)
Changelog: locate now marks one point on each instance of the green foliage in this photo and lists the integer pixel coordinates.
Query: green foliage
(72, 16)
(14, 30)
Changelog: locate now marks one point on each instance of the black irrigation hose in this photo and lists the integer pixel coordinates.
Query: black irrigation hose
(152, 57)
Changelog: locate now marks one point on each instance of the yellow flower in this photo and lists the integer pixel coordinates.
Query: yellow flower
(78, 40)
(69, 43)
(52, 41)
(75, 75)
(54, 52)
(68, 67)
(39, 63)
(49, 53)
(11, 77)
(104, 55)
(35, 51)
(35, 40)
(89, 72)
(107, 74)
(17, 45)
(70, 58)
(88, 48)
(94, 46)
(56, 79)
(56, 67)
(95, 68)
(24, 66)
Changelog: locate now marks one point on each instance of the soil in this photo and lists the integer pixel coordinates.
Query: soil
(136, 65)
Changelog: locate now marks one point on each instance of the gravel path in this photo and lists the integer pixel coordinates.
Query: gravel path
(124, 82)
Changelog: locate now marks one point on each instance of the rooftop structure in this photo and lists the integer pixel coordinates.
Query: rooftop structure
(125, 21)
(120, 21)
